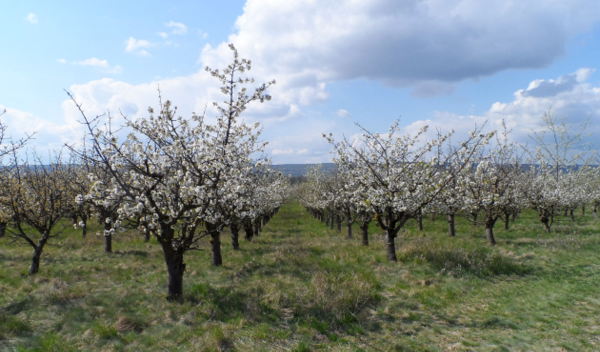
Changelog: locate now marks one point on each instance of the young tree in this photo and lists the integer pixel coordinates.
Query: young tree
(398, 174)
(491, 186)
(176, 173)
(37, 198)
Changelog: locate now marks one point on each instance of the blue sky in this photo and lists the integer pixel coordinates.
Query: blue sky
(450, 64)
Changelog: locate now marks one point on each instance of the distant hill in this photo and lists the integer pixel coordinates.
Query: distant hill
(299, 170)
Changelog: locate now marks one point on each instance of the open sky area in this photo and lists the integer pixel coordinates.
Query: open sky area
(448, 63)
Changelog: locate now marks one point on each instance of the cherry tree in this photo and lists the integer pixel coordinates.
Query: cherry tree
(491, 186)
(37, 197)
(397, 173)
(178, 173)
(105, 200)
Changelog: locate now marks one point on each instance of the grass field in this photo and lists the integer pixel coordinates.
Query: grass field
(302, 287)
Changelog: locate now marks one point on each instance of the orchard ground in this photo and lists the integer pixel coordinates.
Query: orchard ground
(300, 286)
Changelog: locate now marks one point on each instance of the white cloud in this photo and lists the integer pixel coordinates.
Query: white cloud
(428, 45)
(101, 64)
(31, 18)
(47, 136)
(138, 46)
(177, 28)
(342, 113)
(569, 98)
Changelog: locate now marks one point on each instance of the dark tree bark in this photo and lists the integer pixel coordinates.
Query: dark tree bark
(248, 229)
(37, 254)
(506, 220)
(256, 227)
(107, 238)
(35, 261)
(489, 231)
(474, 217)
(215, 242)
(451, 225)
(84, 228)
(235, 234)
(338, 221)
(175, 270)
(349, 227)
(364, 228)
(420, 220)
(391, 245)
(546, 222)
(2, 229)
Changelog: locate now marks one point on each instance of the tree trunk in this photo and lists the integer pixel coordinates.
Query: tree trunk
(256, 227)
(451, 225)
(391, 245)
(420, 221)
(2, 229)
(364, 227)
(235, 234)
(572, 214)
(84, 228)
(37, 254)
(546, 221)
(349, 227)
(107, 237)
(35, 260)
(506, 220)
(146, 235)
(338, 221)
(215, 242)
(489, 231)
(248, 229)
(474, 217)
(175, 269)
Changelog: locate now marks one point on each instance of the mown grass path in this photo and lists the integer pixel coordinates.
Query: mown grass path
(301, 287)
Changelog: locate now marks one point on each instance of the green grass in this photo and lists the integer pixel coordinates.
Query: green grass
(303, 287)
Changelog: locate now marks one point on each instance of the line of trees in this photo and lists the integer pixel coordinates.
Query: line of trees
(179, 180)
(393, 177)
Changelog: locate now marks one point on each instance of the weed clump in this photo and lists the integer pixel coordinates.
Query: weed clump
(458, 261)
(11, 325)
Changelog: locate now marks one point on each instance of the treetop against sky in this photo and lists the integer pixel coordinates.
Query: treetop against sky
(449, 64)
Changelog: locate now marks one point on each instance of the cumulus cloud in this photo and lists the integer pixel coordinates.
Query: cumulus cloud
(31, 18)
(551, 87)
(423, 44)
(569, 98)
(138, 46)
(47, 135)
(427, 46)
